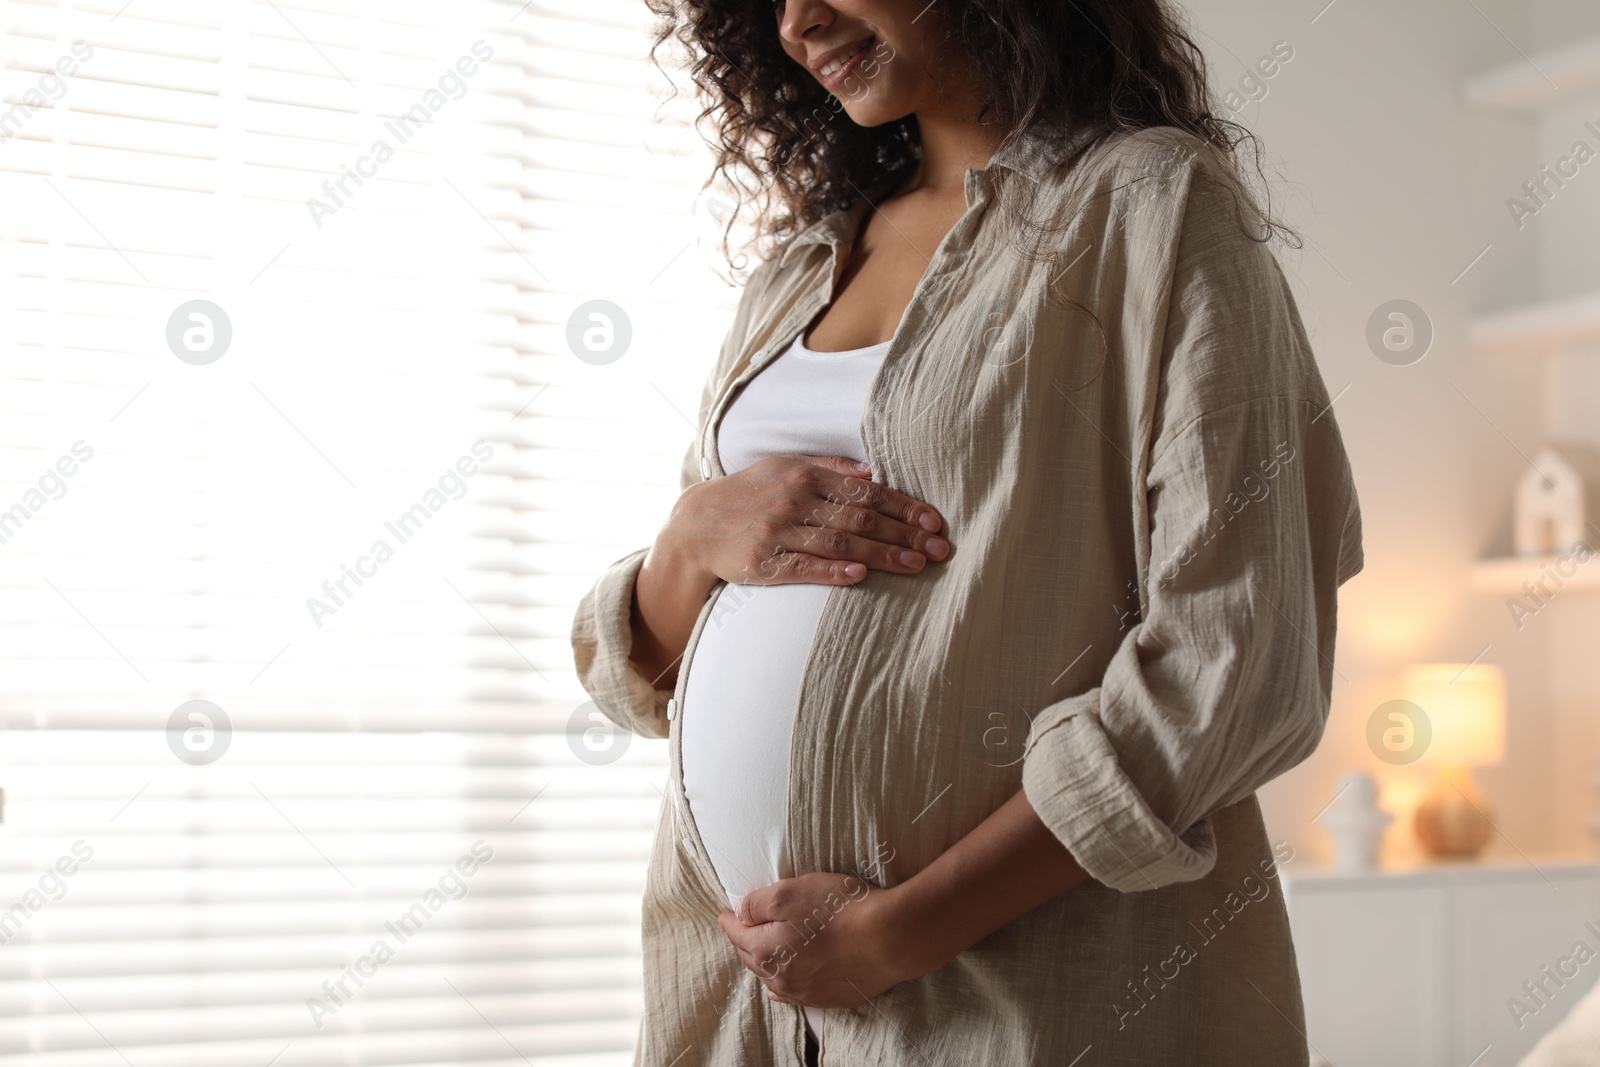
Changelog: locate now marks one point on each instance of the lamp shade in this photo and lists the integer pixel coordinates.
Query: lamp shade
(1466, 707)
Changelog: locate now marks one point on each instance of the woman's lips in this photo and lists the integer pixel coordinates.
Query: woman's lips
(841, 71)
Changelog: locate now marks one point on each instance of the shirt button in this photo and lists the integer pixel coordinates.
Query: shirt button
(705, 468)
(672, 707)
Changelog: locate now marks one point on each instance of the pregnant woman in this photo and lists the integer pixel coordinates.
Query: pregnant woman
(1005, 569)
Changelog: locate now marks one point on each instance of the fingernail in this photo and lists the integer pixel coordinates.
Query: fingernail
(855, 570)
(938, 547)
(928, 520)
(911, 559)
(864, 468)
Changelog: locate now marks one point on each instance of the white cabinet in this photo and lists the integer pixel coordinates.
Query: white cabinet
(1419, 968)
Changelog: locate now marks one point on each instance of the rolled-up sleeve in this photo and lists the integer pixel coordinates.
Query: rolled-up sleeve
(602, 639)
(1224, 682)
(1251, 524)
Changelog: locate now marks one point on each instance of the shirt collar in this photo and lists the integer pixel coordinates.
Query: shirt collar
(833, 229)
(1035, 155)
(1031, 155)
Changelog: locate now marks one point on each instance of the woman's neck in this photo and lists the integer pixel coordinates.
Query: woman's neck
(952, 143)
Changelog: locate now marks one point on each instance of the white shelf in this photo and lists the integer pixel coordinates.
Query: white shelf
(1422, 870)
(1522, 85)
(1506, 574)
(1549, 326)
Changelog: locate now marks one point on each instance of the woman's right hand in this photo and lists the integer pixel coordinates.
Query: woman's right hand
(810, 519)
(783, 520)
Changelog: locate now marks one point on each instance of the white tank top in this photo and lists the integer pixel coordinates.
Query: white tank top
(743, 685)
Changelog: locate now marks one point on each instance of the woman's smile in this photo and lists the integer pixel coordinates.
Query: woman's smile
(833, 68)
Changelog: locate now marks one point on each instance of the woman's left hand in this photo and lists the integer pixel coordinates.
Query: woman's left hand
(823, 940)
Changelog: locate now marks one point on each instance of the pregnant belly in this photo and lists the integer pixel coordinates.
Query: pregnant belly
(738, 712)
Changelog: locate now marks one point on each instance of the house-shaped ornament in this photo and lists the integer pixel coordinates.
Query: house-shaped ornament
(1558, 501)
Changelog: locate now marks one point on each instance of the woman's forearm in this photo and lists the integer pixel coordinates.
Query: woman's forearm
(667, 597)
(1007, 866)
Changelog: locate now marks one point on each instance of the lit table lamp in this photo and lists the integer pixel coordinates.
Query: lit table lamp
(1466, 707)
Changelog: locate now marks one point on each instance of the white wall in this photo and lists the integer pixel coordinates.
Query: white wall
(1396, 187)
(1569, 240)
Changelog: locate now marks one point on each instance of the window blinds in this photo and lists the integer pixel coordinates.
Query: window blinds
(312, 432)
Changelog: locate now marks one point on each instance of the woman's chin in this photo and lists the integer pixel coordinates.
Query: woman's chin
(873, 113)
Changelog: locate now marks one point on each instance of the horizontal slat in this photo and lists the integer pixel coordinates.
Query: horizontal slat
(556, 1043)
(371, 347)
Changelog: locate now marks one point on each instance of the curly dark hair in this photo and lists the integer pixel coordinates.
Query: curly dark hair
(1048, 67)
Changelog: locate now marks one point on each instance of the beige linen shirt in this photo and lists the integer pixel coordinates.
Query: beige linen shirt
(1151, 511)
